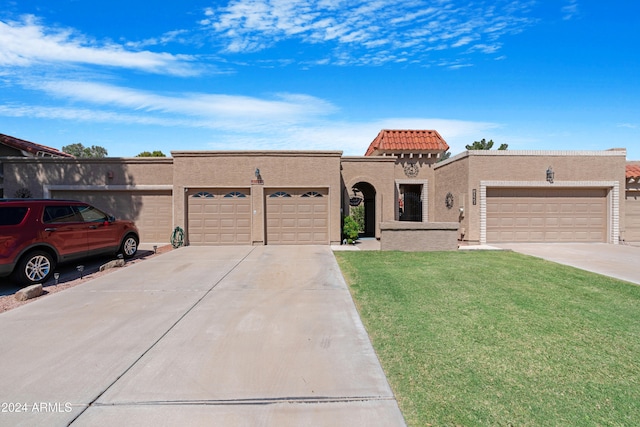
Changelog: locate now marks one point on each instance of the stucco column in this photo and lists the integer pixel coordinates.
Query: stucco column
(257, 212)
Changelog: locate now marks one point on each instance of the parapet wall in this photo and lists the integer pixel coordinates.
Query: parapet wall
(419, 236)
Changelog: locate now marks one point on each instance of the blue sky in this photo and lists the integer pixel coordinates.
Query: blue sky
(319, 74)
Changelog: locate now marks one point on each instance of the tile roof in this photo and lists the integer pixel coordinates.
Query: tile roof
(407, 141)
(31, 147)
(633, 170)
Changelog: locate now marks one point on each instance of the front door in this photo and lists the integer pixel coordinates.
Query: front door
(411, 202)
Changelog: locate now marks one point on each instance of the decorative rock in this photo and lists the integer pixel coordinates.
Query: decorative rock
(112, 264)
(29, 292)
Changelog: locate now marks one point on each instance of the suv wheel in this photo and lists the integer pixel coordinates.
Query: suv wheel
(35, 267)
(129, 246)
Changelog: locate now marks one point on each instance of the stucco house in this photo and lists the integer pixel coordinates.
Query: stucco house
(300, 197)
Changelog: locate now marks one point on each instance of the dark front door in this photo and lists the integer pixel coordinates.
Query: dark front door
(411, 196)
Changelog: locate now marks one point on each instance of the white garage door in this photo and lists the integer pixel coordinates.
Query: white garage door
(219, 217)
(151, 210)
(546, 215)
(632, 216)
(297, 217)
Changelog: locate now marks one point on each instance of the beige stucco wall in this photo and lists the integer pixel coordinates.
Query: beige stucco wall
(278, 169)
(520, 168)
(36, 174)
(454, 179)
(377, 171)
(419, 236)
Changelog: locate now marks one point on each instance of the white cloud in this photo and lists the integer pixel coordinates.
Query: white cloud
(27, 43)
(570, 10)
(282, 121)
(353, 138)
(628, 125)
(362, 27)
(194, 109)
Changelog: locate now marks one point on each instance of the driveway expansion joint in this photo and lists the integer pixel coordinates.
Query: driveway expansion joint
(253, 401)
(155, 343)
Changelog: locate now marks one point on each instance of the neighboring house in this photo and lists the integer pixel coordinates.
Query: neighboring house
(300, 197)
(14, 147)
(632, 202)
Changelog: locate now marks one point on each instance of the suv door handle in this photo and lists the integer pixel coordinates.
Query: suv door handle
(93, 227)
(50, 229)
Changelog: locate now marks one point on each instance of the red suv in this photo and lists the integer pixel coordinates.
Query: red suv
(35, 235)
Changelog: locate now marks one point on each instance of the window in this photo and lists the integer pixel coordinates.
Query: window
(12, 216)
(60, 214)
(204, 194)
(91, 214)
(235, 195)
(280, 194)
(312, 194)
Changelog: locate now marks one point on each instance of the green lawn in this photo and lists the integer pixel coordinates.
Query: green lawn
(495, 338)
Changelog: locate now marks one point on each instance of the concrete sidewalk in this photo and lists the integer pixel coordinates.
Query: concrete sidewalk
(198, 336)
(619, 261)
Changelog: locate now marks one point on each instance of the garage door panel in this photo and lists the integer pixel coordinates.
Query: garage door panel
(537, 208)
(545, 215)
(297, 216)
(219, 217)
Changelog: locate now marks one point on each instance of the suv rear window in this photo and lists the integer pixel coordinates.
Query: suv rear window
(58, 214)
(12, 215)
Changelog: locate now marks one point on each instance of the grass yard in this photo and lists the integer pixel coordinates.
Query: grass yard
(492, 338)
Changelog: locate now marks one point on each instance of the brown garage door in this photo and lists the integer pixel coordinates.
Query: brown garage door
(297, 217)
(546, 215)
(151, 210)
(219, 217)
(632, 216)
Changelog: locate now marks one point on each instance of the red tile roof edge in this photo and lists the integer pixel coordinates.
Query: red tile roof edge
(632, 171)
(31, 147)
(411, 139)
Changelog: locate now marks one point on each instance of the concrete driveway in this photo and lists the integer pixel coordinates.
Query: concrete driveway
(619, 261)
(229, 336)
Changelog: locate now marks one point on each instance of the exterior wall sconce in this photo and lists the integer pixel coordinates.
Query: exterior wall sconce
(550, 175)
(356, 199)
(258, 179)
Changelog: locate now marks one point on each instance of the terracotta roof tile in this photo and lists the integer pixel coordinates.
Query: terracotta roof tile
(408, 141)
(31, 147)
(633, 170)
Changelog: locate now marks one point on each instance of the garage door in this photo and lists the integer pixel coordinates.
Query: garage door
(546, 215)
(632, 218)
(219, 217)
(297, 217)
(151, 210)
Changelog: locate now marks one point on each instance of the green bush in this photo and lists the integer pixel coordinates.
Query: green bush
(350, 229)
(358, 214)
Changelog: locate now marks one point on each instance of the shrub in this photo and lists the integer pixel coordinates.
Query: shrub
(350, 229)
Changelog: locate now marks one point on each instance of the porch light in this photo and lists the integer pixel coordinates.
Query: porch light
(550, 175)
(356, 199)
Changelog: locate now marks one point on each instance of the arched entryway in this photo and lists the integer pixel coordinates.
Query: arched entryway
(367, 192)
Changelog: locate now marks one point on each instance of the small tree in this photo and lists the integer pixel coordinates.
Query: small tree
(156, 153)
(445, 156)
(484, 145)
(80, 151)
(350, 229)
